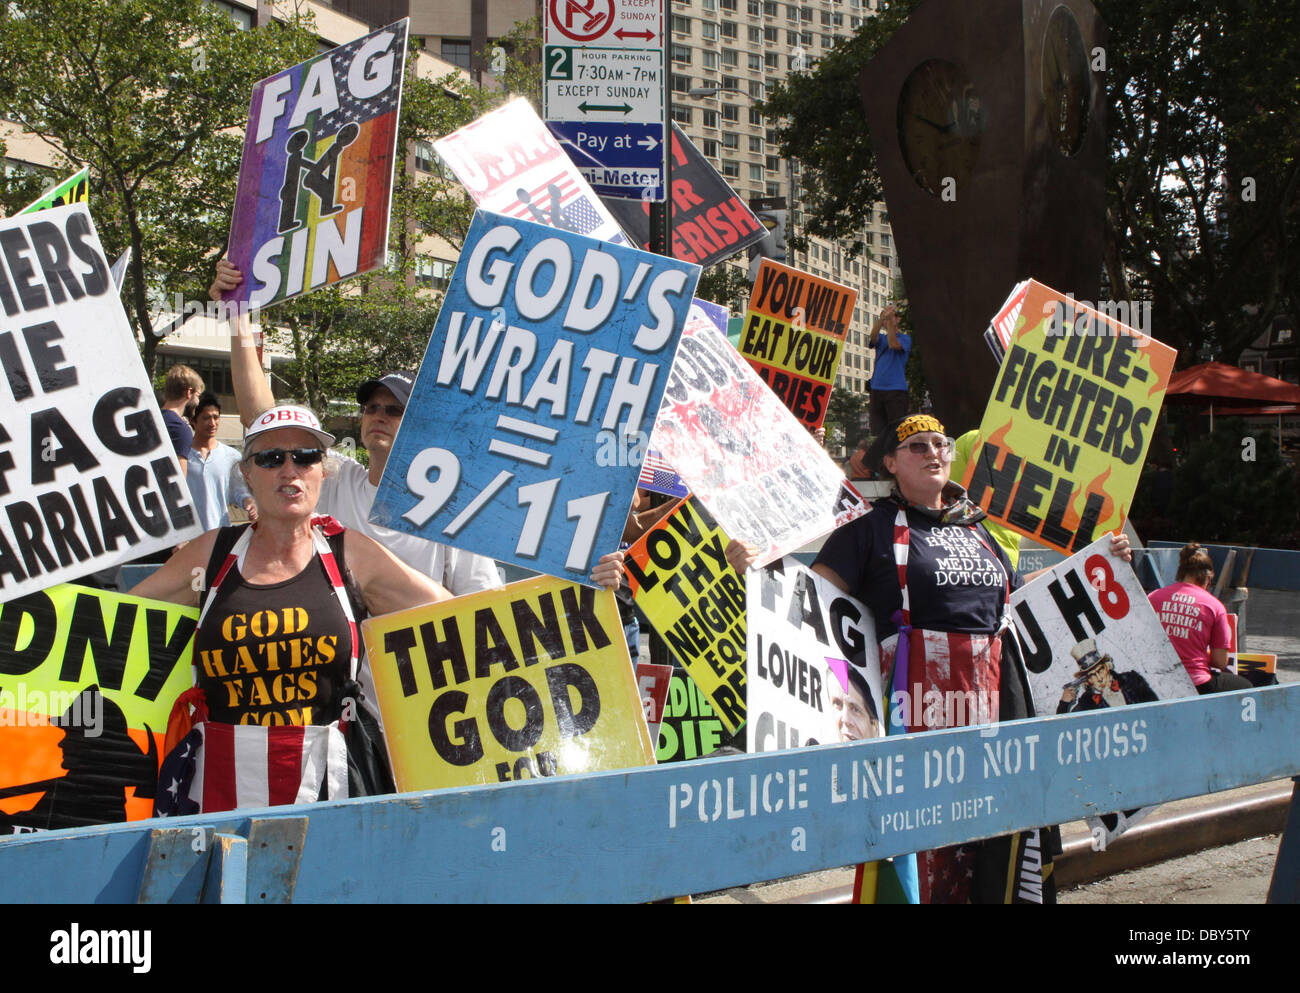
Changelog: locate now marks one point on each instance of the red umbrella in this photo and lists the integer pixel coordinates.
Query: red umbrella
(1226, 386)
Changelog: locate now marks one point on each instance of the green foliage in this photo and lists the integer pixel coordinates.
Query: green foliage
(725, 285)
(153, 95)
(846, 419)
(1232, 486)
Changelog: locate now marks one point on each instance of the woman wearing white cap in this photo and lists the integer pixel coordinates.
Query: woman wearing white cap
(278, 641)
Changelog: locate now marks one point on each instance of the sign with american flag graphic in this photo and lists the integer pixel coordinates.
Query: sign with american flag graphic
(658, 475)
(510, 164)
(316, 178)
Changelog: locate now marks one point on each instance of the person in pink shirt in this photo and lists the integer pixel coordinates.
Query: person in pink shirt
(1197, 623)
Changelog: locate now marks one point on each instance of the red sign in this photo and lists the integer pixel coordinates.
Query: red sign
(582, 20)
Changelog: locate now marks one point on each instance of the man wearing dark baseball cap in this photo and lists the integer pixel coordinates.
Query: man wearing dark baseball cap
(348, 493)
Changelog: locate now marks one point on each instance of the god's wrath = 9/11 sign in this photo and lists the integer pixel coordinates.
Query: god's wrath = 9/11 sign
(548, 344)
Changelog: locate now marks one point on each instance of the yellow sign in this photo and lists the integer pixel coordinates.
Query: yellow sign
(530, 680)
(680, 578)
(74, 189)
(793, 336)
(1068, 425)
(87, 681)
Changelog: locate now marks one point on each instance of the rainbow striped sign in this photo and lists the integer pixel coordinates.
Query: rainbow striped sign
(316, 179)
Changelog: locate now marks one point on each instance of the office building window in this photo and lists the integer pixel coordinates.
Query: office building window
(710, 118)
(756, 89)
(773, 163)
(710, 148)
(730, 112)
(755, 61)
(730, 83)
(682, 53)
(756, 173)
(731, 140)
(709, 31)
(681, 25)
(456, 52)
(728, 29)
(681, 84)
(730, 58)
(771, 59)
(424, 156)
(731, 170)
(756, 144)
(755, 34)
(709, 60)
(682, 115)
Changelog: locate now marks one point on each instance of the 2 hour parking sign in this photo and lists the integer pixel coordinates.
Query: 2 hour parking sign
(604, 94)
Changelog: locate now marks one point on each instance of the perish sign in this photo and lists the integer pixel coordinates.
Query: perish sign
(88, 476)
(316, 179)
(1068, 425)
(794, 336)
(529, 680)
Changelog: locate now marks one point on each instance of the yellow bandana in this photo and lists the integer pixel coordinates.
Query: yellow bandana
(918, 423)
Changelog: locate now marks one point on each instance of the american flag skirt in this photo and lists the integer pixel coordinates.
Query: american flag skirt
(226, 766)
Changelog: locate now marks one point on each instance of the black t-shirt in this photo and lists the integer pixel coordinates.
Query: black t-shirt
(956, 573)
(181, 434)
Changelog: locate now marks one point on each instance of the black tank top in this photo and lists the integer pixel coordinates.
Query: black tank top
(275, 654)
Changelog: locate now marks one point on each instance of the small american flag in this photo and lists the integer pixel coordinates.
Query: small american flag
(535, 204)
(658, 475)
(225, 766)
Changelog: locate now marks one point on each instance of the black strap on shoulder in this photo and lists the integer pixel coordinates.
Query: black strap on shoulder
(350, 583)
(226, 538)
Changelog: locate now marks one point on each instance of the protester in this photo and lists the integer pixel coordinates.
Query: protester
(937, 586)
(888, 386)
(858, 461)
(181, 388)
(348, 494)
(1197, 623)
(278, 641)
(213, 474)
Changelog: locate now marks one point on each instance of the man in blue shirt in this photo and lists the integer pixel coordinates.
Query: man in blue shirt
(213, 480)
(888, 379)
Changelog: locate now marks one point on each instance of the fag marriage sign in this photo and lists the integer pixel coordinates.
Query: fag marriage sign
(1067, 428)
(794, 336)
(814, 665)
(680, 578)
(316, 179)
(87, 681)
(757, 469)
(533, 679)
(508, 162)
(548, 347)
(1091, 640)
(88, 475)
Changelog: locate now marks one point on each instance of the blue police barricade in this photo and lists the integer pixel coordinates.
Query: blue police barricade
(658, 832)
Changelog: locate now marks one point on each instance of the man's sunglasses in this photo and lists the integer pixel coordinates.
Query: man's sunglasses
(273, 458)
(393, 410)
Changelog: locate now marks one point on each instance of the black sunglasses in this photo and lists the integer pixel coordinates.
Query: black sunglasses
(393, 410)
(273, 458)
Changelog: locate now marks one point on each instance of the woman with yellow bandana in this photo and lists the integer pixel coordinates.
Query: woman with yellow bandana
(937, 586)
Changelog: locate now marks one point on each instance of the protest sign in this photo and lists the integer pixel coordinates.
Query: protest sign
(87, 681)
(998, 334)
(758, 470)
(814, 665)
(88, 476)
(714, 312)
(680, 578)
(709, 221)
(74, 189)
(510, 163)
(1091, 640)
(691, 729)
(548, 347)
(316, 178)
(794, 336)
(1256, 666)
(658, 475)
(1067, 428)
(653, 681)
(529, 680)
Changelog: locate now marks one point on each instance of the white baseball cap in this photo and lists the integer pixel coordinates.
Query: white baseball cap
(288, 416)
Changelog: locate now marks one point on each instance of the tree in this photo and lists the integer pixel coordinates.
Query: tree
(153, 96)
(725, 285)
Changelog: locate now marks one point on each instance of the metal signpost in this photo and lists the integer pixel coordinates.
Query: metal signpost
(604, 94)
